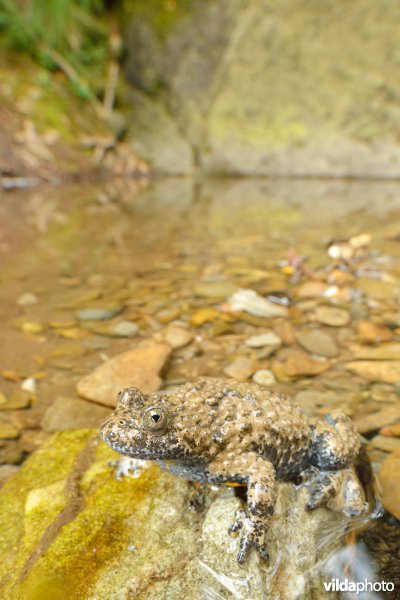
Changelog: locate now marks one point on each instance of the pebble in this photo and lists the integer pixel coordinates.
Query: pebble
(332, 316)
(371, 333)
(8, 431)
(124, 329)
(29, 385)
(296, 363)
(177, 337)
(318, 342)
(32, 327)
(249, 301)
(383, 392)
(386, 371)
(391, 430)
(264, 377)
(32, 439)
(27, 299)
(268, 338)
(241, 368)
(312, 289)
(139, 367)
(18, 400)
(388, 351)
(387, 444)
(284, 329)
(214, 289)
(204, 315)
(378, 419)
(389, 477)
(316, 399)
(98, 314)
(167, 315)
(72, 413)
(11, 453)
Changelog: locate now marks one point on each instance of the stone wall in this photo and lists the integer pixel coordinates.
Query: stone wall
(290, 87)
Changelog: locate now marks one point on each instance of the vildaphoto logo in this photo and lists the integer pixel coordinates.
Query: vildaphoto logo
(359, 587)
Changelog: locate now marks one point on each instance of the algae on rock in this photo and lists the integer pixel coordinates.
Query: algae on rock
(288, 88)
(69, 528)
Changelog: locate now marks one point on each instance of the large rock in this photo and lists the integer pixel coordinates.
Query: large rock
(289, 87)
(139, 367)
(70, 529)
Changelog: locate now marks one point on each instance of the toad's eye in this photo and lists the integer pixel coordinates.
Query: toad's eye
(155, 419)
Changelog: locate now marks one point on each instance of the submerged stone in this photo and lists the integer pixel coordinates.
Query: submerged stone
(139, 367)
(70, 529)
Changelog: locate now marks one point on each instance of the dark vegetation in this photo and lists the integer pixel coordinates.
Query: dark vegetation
(77, 37)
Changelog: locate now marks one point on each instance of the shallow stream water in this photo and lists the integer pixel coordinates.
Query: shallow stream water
(166, 253)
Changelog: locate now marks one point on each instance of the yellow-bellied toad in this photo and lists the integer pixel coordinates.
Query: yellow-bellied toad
(222, 431)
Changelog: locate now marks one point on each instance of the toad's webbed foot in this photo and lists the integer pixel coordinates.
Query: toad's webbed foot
(259, 474)
(340, 490)
(323, 488)
(251, 534)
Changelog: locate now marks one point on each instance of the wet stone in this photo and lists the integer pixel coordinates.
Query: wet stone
(72, 413)
(332, 316)
(268, 338)
(389, 477)
(8, 431)
(18, 400)
(378, 419)
(372, 334)
(11, 453)
(139, 367)
(167, 315)
(32, 327)
(383, 392)
(264, 377)
(124, 329)
(27, 299)
(387, 351)
(31, 440)
(214, 289)
(387, 444)
(177, 337)
(249, 301)
(318, 342)
(313, 400)
(241, 368)
(312, 289)
(29, 385)
(296, 363)
(386, 371)
(98, 314)
(391, 430)
(204, 315)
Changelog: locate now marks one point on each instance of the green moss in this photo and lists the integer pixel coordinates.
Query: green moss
(21, 529)
(31, 505)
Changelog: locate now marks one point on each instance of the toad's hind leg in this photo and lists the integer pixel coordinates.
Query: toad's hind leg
(339, 490)
(323, 488)
(335, 441)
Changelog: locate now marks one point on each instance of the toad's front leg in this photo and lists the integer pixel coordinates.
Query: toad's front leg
(259, 474)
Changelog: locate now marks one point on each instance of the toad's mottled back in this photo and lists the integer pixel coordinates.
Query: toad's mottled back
(222, 431)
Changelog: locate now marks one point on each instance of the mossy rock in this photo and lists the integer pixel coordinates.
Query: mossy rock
(70, 529)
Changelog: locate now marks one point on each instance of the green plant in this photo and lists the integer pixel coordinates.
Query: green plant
(69, 35)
